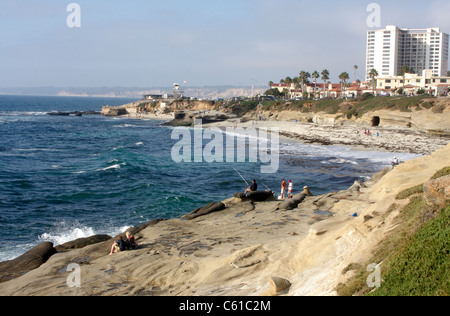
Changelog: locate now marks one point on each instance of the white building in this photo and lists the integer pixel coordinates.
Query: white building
(391, 48)
(412, 83)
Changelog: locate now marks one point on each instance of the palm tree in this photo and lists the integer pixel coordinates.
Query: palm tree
(304, 75)
(373, 74)
(343, 76)
(355, 67)
(315, 76)
(325, 76)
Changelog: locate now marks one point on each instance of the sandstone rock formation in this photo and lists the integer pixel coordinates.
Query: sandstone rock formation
(27, 262)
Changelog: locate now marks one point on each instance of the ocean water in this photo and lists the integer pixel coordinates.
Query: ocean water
(66, 177)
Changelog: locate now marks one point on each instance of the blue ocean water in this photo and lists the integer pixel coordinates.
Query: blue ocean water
(66, 177)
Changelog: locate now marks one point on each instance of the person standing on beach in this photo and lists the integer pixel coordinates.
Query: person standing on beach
(290, 188)
(283, 189)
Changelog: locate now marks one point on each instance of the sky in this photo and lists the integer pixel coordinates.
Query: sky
(154, 43)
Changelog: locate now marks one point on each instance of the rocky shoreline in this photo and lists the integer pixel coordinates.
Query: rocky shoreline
(419, 132)
(391, 139)
(240, 246)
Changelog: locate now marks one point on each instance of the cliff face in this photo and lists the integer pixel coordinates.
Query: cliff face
(425, 121)
(424, 115)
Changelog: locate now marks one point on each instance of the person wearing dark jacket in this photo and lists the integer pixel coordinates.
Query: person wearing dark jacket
(252, 188)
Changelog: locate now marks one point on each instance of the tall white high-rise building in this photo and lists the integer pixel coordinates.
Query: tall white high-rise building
(391, 48)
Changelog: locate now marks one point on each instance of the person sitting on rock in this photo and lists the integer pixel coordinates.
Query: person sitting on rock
(252, 188)
(131, 242)
(118, 245)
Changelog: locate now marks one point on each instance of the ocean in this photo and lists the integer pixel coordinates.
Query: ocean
(66, 177)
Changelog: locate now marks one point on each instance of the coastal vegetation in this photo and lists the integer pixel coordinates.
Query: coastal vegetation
(352, 107)
(414, 258)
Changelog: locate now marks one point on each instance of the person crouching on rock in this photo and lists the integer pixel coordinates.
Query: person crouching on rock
(394, 162)
(252, 188)
(307, 191)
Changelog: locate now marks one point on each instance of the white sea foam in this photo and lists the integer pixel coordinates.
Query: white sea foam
(63, 237)
(116, 166)
(19, 113)
(65, 231)
(342, 154)
(127, 125)
(61, 233)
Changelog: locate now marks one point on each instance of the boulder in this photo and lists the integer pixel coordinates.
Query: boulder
(82, 242)
(30, 260)
(279, 285)
(255, 196)
(114, 111)
(290, 204)
(210, 208)
(59, 113)
(437, 192)
(259, 196)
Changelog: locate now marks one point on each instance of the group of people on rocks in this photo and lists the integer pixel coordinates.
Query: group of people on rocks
(289, 186)
(369, 133)
(123, 244)
(283, 189)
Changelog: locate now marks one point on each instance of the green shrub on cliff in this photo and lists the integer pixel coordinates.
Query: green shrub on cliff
(415, 257)
(422, 268)
(402, 104)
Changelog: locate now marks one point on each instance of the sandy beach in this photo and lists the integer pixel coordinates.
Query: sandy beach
(392, 139)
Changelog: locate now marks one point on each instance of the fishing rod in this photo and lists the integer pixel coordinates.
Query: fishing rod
(267, 187)
(247, 182)
(241, 176)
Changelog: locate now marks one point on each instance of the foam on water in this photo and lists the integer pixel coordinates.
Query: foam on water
(66, 231)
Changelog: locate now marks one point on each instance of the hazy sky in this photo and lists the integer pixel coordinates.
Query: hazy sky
(147, 43)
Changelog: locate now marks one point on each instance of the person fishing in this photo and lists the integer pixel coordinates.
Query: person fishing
(252, 188)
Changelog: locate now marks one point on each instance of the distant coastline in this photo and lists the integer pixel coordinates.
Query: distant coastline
(211, 92)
